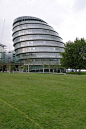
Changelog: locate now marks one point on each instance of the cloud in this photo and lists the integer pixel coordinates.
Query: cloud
(79, 5)
(67, 17)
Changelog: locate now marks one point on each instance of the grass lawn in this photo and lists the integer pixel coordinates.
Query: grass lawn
(42, 101)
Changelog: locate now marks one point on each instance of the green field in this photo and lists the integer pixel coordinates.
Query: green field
(42, 101)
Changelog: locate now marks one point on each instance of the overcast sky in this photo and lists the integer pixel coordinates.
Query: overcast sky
(67, 17)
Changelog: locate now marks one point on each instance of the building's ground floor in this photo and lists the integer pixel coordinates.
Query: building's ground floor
(20, 67)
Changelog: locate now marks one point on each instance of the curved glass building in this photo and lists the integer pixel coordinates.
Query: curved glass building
(33, 38)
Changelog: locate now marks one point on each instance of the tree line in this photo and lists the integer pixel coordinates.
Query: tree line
(74, 56)
(10, 66)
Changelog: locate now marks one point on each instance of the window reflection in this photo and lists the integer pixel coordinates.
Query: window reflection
(25, 26)
(29, 37)
(34, 31)
(40, 49)
(39, 55)
(34, 43)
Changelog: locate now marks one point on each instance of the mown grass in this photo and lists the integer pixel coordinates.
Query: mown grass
(48, 101)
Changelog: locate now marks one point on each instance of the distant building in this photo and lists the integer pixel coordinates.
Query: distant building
(33, 38)
(3, 53)
(12, 56)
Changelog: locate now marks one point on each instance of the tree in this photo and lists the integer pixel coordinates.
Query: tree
(1, 66)
(56, 66)
(75, 54)
(13, 67)
(25, 67)
(53, 67)
(9, 66)
(21, 68)
(43, 65)
(28, 61)
(49, 64)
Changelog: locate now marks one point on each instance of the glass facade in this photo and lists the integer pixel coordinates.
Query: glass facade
(3, 53)
(33, 38)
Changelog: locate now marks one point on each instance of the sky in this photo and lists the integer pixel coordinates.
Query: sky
(67, 17)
